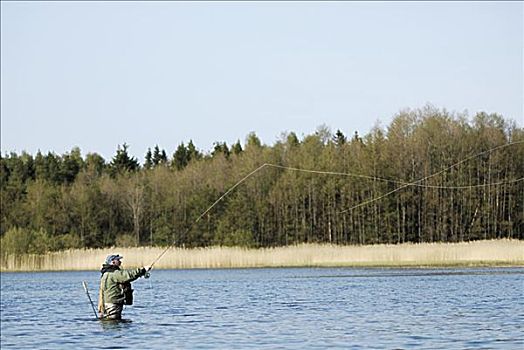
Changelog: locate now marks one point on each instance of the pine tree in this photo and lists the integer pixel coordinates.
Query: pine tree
(192, 153)
(252, 141)
(71, 165)
(220, 148)
(180, 157)
(163, 157)
(236, 149)
(339, 139)
(156, 156)
(122, 162)
(148, 164)
(292, 140)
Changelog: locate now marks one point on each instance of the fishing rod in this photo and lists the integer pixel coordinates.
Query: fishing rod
(84, 283)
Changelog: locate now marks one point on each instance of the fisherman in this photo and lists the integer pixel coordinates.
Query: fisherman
(115, 287)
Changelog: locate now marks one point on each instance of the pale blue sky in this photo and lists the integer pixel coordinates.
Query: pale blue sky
(98, 74)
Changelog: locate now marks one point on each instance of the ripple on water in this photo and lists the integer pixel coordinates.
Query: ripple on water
(273, 308)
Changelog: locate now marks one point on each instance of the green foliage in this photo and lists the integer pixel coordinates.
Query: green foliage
(235, 224)
(122, 162)
(193, 153)
(159, 156)
(18, 168)
(54, 201)
(66, 241)
(236, 149)
(220, 148)
(126, 241)
(185, 154)
(148, 164)
(94, 164)
(162, 235)
(71, 165)
(292, 140)
(181, 157)
(27, 241)
(339, 138)
(48, 167)
(16, 241)
(237, 238)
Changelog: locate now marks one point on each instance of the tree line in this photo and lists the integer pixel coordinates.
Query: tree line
(468, 189)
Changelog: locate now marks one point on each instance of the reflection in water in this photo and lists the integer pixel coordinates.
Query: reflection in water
(112, 325)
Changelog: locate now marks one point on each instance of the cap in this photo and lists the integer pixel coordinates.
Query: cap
(110, 258)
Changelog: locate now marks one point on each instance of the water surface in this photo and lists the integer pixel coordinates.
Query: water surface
(272, 308)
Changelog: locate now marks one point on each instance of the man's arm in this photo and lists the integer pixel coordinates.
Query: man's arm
(128, 275)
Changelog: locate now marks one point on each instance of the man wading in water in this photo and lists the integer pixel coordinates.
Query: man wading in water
(115, 287)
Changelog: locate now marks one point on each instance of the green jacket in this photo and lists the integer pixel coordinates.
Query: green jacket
(111, 285)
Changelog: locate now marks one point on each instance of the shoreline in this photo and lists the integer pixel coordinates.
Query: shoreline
(459, 265)
(490, 253)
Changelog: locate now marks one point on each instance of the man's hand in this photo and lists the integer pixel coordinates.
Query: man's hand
(144, 271)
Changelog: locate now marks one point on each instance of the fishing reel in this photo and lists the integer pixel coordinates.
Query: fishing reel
(146, 273)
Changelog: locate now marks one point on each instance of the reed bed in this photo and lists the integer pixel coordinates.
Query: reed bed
(478, 253)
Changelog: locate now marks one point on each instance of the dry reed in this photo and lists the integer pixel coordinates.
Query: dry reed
(479, 253)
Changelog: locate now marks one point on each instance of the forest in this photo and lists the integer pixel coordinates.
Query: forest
(429, 176)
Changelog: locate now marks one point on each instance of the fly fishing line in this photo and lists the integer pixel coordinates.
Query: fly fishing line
(403, 184)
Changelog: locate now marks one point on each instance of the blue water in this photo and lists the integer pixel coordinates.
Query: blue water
(273, 308)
